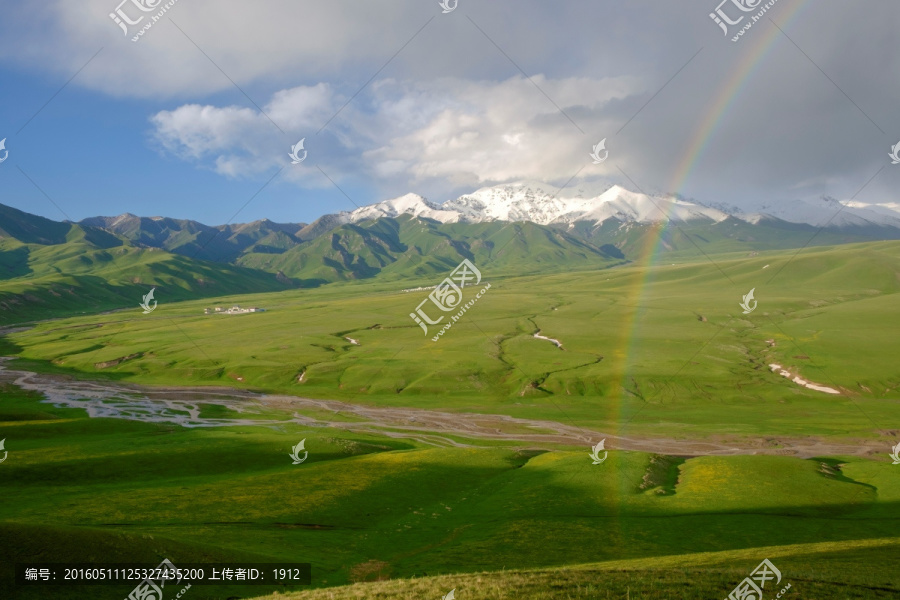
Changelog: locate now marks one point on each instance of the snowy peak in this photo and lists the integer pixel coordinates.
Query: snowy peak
(517, 202)
(626, 205)
(410, 204)
(541, 204)
(546, 205)
(834, 213)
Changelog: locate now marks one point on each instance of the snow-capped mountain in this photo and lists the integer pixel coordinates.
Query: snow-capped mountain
(410, 204)
(537, 203)
(833, 213)
(522, 202)
(540, 204)
(546, 205)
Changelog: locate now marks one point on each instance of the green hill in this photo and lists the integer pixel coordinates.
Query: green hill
(330, 249)
(31, 229)
(193, 239)
(635, 240)
(405, 247)
(408, 248)
(50, 269)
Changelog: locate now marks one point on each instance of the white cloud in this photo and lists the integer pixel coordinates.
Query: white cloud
(469, 132)
(193, 131)
(500, 131)
(236, 141)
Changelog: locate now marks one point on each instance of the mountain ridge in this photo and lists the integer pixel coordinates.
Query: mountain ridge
(539, 203)
(525, 201)
(44, 264)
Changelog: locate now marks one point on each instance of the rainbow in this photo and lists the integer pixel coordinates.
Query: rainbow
(731, 90)
(761, 41)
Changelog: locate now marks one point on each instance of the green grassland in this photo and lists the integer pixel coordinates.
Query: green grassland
(652, 347)
(821, 571)
(660, 350)
(364, 508)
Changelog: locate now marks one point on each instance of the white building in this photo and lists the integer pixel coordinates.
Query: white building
(234, 310)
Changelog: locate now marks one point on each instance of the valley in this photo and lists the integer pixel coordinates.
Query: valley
(182, 423)
(224, 407)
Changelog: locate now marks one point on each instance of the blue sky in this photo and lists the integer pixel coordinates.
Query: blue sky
(93, 154)
(155, 127)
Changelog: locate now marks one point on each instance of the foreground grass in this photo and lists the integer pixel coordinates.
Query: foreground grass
(824, 571)
(364, 508)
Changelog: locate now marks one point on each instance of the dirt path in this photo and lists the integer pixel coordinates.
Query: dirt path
(183, 406)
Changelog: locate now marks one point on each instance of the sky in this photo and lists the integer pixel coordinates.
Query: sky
(196, 119)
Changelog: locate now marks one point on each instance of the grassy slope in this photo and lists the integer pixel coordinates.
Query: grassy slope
(824, 571)
(79, 275)
(367, 507)
(676, 350)
(729, 235)
(403, 248)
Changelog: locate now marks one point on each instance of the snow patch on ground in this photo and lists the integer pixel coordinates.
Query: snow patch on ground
(541, 337)
(800, 381)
